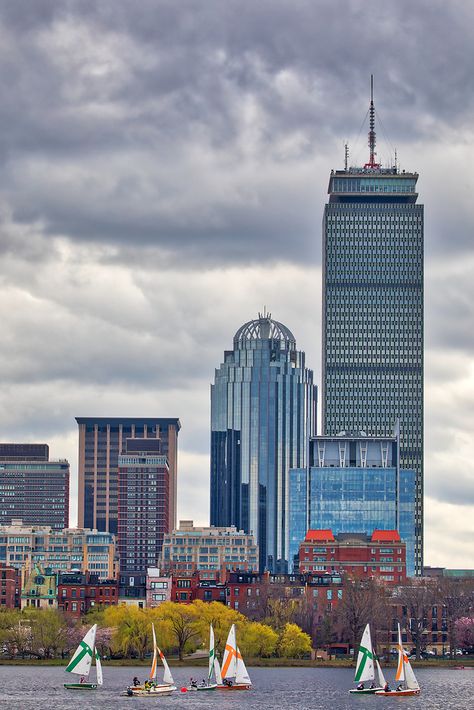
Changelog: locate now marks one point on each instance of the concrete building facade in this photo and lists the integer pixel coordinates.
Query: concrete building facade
(210, 551)
(101, 441)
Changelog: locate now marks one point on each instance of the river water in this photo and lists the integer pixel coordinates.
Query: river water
(41, 688)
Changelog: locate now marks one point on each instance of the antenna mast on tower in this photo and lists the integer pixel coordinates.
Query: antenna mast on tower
(372, 163)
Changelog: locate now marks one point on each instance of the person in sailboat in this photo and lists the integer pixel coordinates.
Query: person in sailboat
(399, 688)
(386, 687)
(83, 680)
(361, 686)
(136, 681)
(372, 685)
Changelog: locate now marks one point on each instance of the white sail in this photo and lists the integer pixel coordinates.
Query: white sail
(381, 676)
(365, 659)
(400, 674)
(167, 677)
(229, 662)
(411, 681)
(211, 653)
(241, 675)
(80, 663)
(217, 671)
(98, 667)
(154, 663)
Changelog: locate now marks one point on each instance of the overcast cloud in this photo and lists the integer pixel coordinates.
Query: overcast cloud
(164, 168)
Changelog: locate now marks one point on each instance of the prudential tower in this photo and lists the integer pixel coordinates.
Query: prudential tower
(262, 412)
(372, 379)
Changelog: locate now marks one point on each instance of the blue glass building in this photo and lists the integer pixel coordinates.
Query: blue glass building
(372, 340)
(262, 415)
(353, 485)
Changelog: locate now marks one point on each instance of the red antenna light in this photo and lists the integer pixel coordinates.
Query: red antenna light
(372, 163)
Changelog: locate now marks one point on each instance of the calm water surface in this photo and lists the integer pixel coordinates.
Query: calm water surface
(40, 688)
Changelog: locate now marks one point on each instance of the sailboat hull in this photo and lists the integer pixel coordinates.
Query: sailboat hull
(397, 693)
(365, 691)
(146, 692)
(80, 686)
(235, 686)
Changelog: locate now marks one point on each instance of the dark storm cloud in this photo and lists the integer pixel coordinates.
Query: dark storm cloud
(207, 129)
(164, 173)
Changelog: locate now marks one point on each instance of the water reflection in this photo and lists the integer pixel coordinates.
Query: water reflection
(38, 688)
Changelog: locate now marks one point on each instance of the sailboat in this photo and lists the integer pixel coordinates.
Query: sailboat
(365, 670)
(212, 668)
(81, 662)
(151, 687)
(234, 673)
(405, 677)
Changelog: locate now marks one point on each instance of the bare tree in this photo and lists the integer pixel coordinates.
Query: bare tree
(457, 598)
(418, 596)
(363, 602)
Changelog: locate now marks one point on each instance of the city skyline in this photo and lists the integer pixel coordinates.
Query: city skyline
(163, 180)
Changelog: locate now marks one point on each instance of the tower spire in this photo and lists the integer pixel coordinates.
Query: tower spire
(372, 154)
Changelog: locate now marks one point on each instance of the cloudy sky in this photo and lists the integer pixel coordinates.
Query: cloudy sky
(164, 168)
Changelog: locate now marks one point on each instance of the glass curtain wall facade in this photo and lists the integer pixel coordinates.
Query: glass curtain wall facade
(354, 485)
(373, 313)
(262, 414)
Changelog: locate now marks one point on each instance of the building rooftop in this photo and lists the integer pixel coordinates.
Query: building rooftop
(319, 536)
(386, 536)
(129, 420)
(263, 328)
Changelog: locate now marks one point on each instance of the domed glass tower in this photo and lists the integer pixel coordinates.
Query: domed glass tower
(263, 406)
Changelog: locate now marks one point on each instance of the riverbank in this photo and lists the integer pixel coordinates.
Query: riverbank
(251, 662)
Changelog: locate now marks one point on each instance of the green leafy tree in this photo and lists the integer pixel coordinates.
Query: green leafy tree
(281, 612)
(294, 643)
(49, 632)
(221, 617)
(258, 640)
(183, 623)
(15, 635)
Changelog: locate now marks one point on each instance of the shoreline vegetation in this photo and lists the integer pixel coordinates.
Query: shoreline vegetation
(251, 662)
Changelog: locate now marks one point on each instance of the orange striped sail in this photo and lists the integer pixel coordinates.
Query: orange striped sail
(229, 663)
(152, 675)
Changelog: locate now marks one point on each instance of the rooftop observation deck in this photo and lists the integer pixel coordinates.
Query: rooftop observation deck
(372, 184)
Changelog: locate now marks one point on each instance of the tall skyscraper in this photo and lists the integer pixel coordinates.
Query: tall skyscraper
(373, 310)
(33, 488)
(101, 441)
(262, 413)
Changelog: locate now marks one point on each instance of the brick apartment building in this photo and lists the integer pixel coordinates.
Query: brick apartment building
(10, 587)
(381, 555)
(78, 593)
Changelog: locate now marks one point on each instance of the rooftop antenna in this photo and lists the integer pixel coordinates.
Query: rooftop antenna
(346, 155)
(396, 157)
(372, 163)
